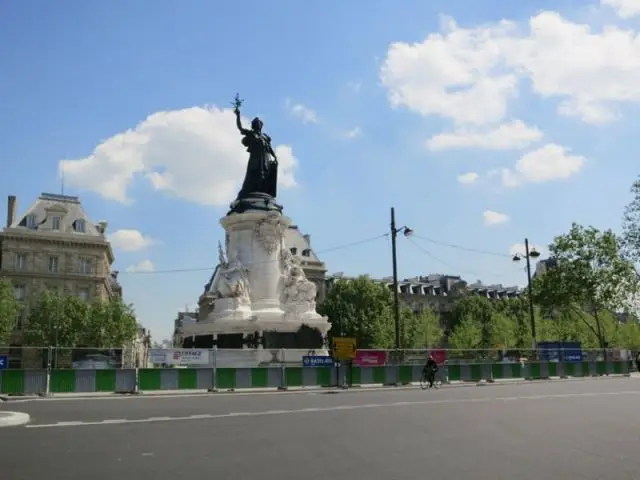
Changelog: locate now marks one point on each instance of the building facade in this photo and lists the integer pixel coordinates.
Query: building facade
(54, 246)
(438, 292)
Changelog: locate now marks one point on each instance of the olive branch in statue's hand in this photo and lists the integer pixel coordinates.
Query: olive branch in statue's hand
(237, 103)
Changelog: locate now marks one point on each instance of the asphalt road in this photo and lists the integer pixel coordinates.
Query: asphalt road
(577, 429)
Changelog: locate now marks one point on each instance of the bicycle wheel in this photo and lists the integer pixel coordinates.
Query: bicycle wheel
(424, 381)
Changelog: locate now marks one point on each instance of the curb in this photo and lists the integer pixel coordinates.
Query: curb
(13, 419)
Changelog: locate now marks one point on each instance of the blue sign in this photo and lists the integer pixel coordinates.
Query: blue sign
(4, 362)
(316, 361)
(560, 351)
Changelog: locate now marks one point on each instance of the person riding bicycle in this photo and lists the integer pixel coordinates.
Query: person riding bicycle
(430, 369)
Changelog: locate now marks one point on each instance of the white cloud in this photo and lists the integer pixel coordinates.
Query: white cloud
(624, 8)
(194, 154)
(468, 178)
(494, 218)
(547, 163)
(301, 112)
(353, 133)
(130, 240)
(141, 267)
(512, 135)
(520, 250)
(470, 74)
(455, 74)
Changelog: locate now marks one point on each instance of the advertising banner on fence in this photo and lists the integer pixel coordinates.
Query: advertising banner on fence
(179, 356)
(370, 358)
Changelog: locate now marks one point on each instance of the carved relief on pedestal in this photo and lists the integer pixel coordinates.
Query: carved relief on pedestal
(269, 232)
(234, 279)
(297, 290)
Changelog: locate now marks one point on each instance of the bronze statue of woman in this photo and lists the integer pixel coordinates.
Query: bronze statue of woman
(262, 169)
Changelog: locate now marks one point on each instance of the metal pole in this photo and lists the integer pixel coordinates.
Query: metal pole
(396, 300)
(530, 289)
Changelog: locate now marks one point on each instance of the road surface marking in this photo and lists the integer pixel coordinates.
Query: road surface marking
(332, 409)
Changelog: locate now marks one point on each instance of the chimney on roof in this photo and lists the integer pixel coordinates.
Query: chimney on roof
(102, 226)
(307, 238)
(11, 210)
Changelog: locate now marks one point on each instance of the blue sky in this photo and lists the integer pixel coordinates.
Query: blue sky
(481, 122)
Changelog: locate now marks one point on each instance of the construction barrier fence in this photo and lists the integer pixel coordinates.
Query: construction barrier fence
(44, 381)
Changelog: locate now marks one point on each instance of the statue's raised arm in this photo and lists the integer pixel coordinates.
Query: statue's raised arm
(259, 188)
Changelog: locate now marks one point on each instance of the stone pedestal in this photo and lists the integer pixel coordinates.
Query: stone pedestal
(259, 289)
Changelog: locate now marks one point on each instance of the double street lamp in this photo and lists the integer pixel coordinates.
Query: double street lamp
(406, 231)
(528, 255)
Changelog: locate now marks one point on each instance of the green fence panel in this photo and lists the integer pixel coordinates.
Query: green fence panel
(454, 373)
(187, 379)
(379, 375)
(534, 370)
(356, 376)
(12, 381)
(324, 376)
(552, 369)
(149, 379)
(63, 381)
(569, 369)
(601, 368)
(293, 377)
(516, 370)
(475, 370)
(405, 374)
(226, 378)
(586, 369)
(497, 371)
(618, 368)
(105, 380)
(259, 377)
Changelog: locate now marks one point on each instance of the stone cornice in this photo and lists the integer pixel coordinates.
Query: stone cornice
(61, 239)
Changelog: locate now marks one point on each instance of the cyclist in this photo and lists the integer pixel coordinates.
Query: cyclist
(430, 370)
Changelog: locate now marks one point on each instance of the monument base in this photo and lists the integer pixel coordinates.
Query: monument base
(258, 201)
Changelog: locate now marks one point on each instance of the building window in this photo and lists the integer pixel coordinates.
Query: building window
(31, 221)
(53, 264)
(20, 261)
(85, 265)
(19, 292)
(79, 226)
(294, 251)
(83, 294)
(306, 252)
(55, 223)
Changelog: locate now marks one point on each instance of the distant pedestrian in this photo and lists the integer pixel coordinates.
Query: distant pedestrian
(638, 362)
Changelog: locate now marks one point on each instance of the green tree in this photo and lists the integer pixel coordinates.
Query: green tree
(591, 276)
(467, 335)
(111, 324)
(9, 309)
(631, 224)
(478, 309)
(363, 309)
(502, 331)
(57, 320)
(420, 330)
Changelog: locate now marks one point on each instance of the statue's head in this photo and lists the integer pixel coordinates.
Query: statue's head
(256, 125)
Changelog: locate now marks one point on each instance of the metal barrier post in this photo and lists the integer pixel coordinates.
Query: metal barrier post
(283, 370)
(214, 371)
(47, 387)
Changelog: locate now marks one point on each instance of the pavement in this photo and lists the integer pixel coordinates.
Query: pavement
(585, 430)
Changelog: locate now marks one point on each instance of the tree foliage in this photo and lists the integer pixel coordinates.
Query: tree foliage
(591, 277)
(631, 225)
(9, 309)
(67, 321)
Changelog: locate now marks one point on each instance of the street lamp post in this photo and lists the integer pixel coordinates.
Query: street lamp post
(396, 299)
(529, 254)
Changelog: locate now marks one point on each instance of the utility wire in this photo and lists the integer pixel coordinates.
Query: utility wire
(455, 268)
(210, 269)
(460, 247)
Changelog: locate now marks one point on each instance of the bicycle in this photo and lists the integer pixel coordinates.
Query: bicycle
(425, 380)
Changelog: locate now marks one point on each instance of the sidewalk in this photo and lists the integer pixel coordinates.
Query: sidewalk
(293, 390)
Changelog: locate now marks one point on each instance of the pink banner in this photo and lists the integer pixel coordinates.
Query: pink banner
(370, 358)
(439, 355)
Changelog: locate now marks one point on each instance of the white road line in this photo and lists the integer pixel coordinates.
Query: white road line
(332, 409)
